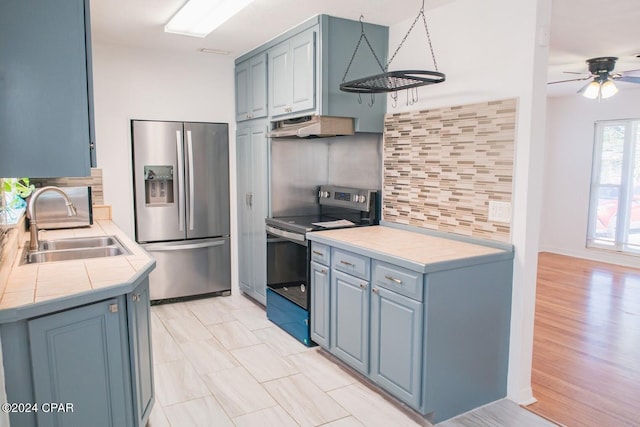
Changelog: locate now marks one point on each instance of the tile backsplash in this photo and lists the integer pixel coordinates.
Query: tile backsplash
(443, 167)
(94, 181)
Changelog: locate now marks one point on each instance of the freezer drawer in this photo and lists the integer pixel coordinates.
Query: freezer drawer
(190, 268)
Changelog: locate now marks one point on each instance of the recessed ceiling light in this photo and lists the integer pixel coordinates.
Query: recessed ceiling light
(197, 18)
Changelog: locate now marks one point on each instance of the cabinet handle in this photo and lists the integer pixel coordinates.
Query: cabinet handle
(135, 297)
(288, 109)
(323, 271)
(318, 253)
(393, 279)
(363, 286)
(113, 308)
(374, 290)
(346, 263)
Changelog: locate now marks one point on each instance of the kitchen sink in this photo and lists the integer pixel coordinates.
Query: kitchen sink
(74, 249)
(78, 243)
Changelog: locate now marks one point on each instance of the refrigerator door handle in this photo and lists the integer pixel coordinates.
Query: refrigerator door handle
(181, 201)
(163, 247)
(191, 180)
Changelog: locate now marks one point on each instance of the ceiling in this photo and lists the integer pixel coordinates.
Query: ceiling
(580, 29)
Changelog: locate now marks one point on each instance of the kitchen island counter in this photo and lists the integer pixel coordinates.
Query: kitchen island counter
(416, 250)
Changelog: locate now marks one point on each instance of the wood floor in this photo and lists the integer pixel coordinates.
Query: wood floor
(586, 350)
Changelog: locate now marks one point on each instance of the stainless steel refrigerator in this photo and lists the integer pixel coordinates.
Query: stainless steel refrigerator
(181, 197)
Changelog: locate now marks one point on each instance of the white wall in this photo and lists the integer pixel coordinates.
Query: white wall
(142, 84)
(490, 50)
(567, 170)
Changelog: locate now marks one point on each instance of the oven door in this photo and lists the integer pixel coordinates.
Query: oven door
(288, 265)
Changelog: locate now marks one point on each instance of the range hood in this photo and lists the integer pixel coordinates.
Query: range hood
(312, 126)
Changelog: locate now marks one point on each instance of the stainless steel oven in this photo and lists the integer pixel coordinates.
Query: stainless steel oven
(288, 252)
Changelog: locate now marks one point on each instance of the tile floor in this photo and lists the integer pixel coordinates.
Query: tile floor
(220, 362)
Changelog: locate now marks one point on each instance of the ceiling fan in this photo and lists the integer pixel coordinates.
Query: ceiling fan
(603, 77)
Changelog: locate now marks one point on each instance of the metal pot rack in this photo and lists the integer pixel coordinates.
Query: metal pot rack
(392, 81)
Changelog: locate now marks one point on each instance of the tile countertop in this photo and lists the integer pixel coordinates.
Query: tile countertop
(416, 250)
(33, 289)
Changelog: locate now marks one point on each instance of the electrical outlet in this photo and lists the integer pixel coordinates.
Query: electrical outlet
(500, 211)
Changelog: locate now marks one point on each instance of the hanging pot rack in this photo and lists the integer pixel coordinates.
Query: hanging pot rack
(392, 81)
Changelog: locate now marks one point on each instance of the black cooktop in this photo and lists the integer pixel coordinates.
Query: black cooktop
(303, 224)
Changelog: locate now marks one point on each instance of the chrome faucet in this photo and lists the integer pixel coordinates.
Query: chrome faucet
(33, 227)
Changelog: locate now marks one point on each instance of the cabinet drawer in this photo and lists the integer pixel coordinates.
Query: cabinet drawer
(351, 263)
(320, 253)
(398, 279)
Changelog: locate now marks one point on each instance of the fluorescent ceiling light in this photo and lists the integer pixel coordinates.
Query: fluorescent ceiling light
(198, 18)
(608, 89)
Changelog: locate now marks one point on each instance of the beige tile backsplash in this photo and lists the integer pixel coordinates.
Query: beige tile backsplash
(94, 181)
(442, 167)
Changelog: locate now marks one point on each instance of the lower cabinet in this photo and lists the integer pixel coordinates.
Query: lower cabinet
(76, 357)
(93, 362)
(396, 344)
(320, 301)
(436, 340)
(350, 319)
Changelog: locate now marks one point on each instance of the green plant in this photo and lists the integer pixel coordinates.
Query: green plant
(19, 186)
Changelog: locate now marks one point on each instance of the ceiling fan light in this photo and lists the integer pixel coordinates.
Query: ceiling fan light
(608, 89)
(592, 90)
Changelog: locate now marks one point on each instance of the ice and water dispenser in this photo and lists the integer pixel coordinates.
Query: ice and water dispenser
(158, 185)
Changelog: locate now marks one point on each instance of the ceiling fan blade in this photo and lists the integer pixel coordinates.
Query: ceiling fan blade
(628, 79)
(570, 80)
(624, 73)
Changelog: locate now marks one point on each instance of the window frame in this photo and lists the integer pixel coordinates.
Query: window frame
(620, 241)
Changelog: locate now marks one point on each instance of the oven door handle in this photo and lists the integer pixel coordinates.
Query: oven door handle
(286, 234)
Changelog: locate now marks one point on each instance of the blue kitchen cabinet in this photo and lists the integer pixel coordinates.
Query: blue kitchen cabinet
(321, 303)
(435, 336)
(292, 75)
(396, 344)
(46, 105)
(253, 196)
(251, 88)
(305, 67)
(95, 356)
(77, 358)
(141, 352)
(350, 320)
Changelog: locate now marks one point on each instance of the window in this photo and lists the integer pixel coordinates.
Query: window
(614, 208)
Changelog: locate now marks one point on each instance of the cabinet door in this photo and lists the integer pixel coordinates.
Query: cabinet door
(141, 352)
(396, 344)
(259, 205)
(350, 320)
(78, 357)
(253, 208)
(320, 304)
(303, 71)
(280, 87)
(45, 118)
(245, 218)
(258, 88)
(242, 91)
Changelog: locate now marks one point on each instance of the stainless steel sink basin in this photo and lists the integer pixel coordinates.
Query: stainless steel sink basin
(77, 243)
(75, 248)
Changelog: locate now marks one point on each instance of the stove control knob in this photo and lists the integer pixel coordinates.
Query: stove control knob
(354, 198)
(362, 199)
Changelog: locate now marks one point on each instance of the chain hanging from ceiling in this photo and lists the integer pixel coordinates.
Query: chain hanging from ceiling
(392, 81)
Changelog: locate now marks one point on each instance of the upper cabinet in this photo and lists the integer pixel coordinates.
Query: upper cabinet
(292, 75)
(306, 66)
(46, 112)
(251, 88)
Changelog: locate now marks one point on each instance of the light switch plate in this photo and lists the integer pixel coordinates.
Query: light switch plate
(500, 211)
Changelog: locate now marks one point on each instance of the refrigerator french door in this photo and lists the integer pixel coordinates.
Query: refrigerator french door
(181, 197)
